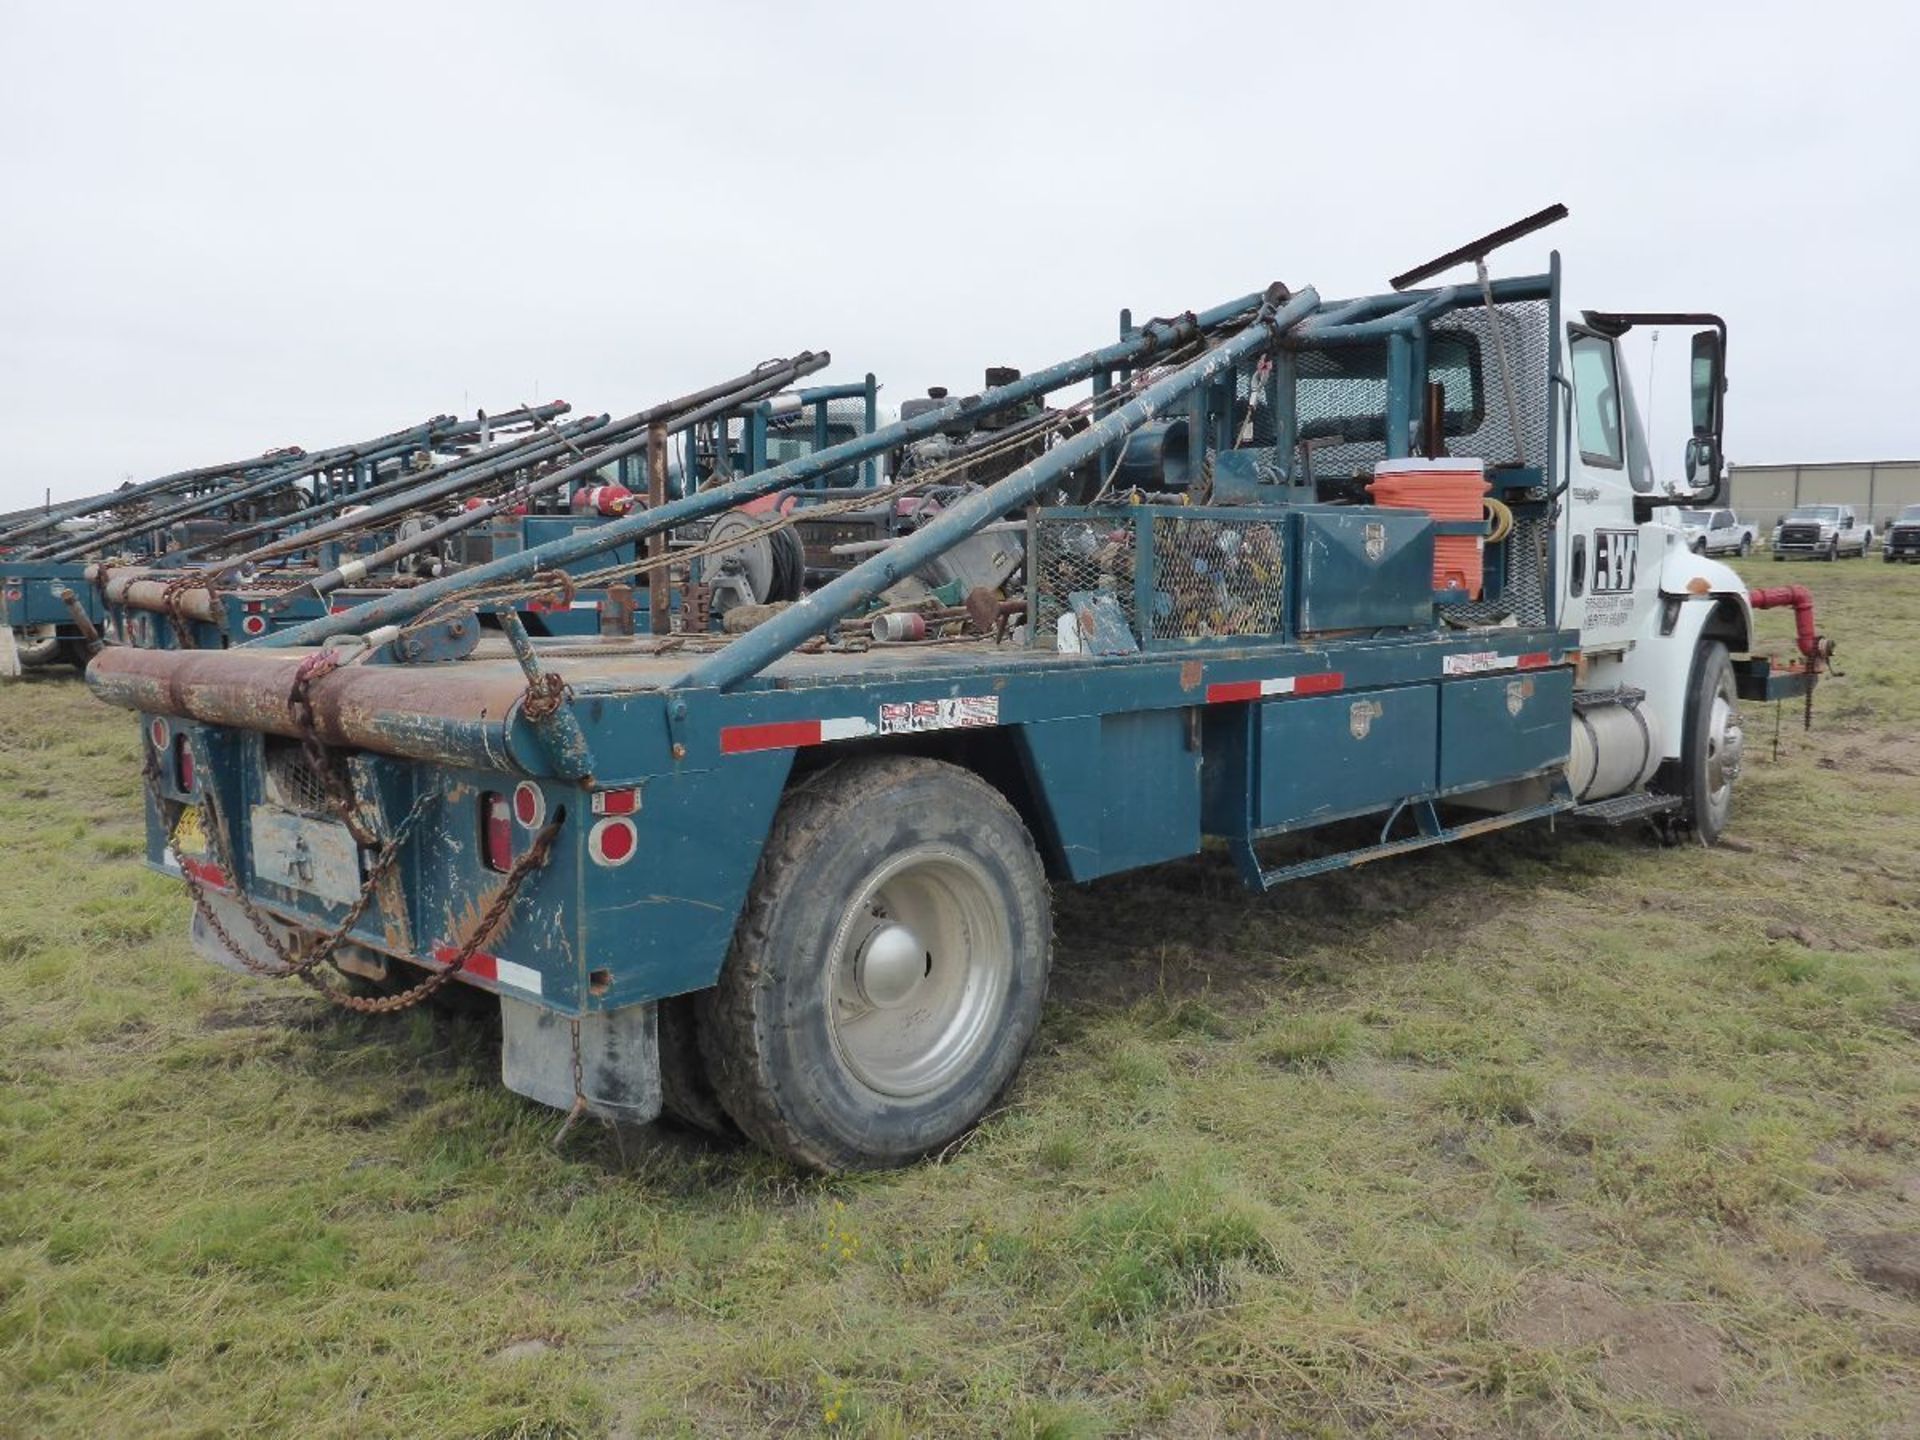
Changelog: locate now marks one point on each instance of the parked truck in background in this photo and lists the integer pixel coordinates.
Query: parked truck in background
(1822, 532)
(1375, 574)
(1717, 532)
(1903, 537)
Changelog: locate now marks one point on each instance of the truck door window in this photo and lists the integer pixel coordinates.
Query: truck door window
(1596, 388)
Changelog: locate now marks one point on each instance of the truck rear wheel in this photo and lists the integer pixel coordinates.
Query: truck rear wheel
(686, 1091)
(1711, 748)
(887, 973)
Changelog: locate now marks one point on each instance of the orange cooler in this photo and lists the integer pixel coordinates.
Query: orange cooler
(1452, 489)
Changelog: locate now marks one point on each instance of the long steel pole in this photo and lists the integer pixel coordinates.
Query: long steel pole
(674, 414)
(1152, 338)
(854, 590)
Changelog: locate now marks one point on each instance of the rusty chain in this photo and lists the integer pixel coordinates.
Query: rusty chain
(490, 922)
(304, 965)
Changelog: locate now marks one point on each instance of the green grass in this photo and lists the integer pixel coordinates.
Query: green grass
(1546, 1134)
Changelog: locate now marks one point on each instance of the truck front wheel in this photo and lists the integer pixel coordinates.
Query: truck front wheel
(887, 973)
(1711, 748)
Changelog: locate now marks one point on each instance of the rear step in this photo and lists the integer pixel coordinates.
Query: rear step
(1620, 809)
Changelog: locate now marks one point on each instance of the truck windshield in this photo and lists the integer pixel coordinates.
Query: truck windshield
(1910, 515)
(1817, 512)
(1693, 517)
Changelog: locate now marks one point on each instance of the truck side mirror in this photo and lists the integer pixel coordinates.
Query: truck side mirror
(1709, 382)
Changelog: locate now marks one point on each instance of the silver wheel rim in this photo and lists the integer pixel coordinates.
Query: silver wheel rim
(922, 962)
(1726, 742)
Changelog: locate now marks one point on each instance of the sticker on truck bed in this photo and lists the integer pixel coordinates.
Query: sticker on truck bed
(962, 713)
(189, 836)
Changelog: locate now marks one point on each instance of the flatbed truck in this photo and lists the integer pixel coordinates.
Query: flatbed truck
(794, 883)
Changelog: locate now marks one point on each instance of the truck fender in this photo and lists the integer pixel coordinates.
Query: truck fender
(1700, 599)
(1712, 600)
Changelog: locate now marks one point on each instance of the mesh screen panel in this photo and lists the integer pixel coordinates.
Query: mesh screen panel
(1523, 329)
(1217, 578)
(1213, 576)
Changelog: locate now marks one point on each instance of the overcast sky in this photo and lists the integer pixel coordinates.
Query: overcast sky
(225, 227)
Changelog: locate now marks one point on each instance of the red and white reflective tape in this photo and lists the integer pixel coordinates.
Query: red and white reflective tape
(482, 966)
(1325, 683)
(791, 734)
(895, 717)
(1483, 662)
(205, 871)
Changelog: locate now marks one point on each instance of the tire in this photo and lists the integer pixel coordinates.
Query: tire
(809, 1036)
(686, 1092)
(1746, 546)
(1833, 549)
(1700, 547)
(1711, 748)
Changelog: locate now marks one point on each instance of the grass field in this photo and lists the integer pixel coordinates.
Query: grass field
(1547, 1134)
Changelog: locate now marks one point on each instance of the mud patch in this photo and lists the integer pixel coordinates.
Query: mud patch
(1889, 1259)
(1652, 1351)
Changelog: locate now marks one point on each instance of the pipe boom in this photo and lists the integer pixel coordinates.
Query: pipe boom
(1150, 339)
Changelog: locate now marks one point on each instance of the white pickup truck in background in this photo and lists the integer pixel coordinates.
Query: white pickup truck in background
(1717, 532)
(1822, 532)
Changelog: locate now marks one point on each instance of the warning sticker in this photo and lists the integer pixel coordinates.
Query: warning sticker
(1476, 662)
(957, 713)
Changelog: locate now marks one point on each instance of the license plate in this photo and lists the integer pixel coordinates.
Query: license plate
(189, 836)
(315, 857)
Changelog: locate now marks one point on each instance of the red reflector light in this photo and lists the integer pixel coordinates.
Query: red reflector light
(529, 804)
(496, 832)
(611, 842)
(183, 765)
(616, 802)
(254, 624)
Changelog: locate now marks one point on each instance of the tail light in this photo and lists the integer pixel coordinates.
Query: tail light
(183, 764)
(496, 832)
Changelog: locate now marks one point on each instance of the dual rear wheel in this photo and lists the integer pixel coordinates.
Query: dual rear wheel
(886, 977)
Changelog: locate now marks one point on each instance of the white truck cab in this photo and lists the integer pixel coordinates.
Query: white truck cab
(1657, 620)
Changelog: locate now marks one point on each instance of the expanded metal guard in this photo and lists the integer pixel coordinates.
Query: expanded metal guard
(1523, 329)
(1177, 575)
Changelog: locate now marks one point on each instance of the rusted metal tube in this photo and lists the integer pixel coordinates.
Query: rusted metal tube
(137, 591)
(450, 714)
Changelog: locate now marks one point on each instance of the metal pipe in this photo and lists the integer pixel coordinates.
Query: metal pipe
(1149, 340)
(397, 443)
(659, 621)
(369, 494)
(429, 486)
(52, 517)
(823, 609)
(674, 413)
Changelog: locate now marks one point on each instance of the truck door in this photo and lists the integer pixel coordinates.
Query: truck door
(1606, 469)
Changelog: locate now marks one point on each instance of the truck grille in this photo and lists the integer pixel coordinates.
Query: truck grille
(293, 782)
(1799, 534)
(1904, 538)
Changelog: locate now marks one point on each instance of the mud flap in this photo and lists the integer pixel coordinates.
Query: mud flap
(210, 946)
(619, 1059)
(9, 654)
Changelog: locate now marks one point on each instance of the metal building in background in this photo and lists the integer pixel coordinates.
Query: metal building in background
(1878, 489)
